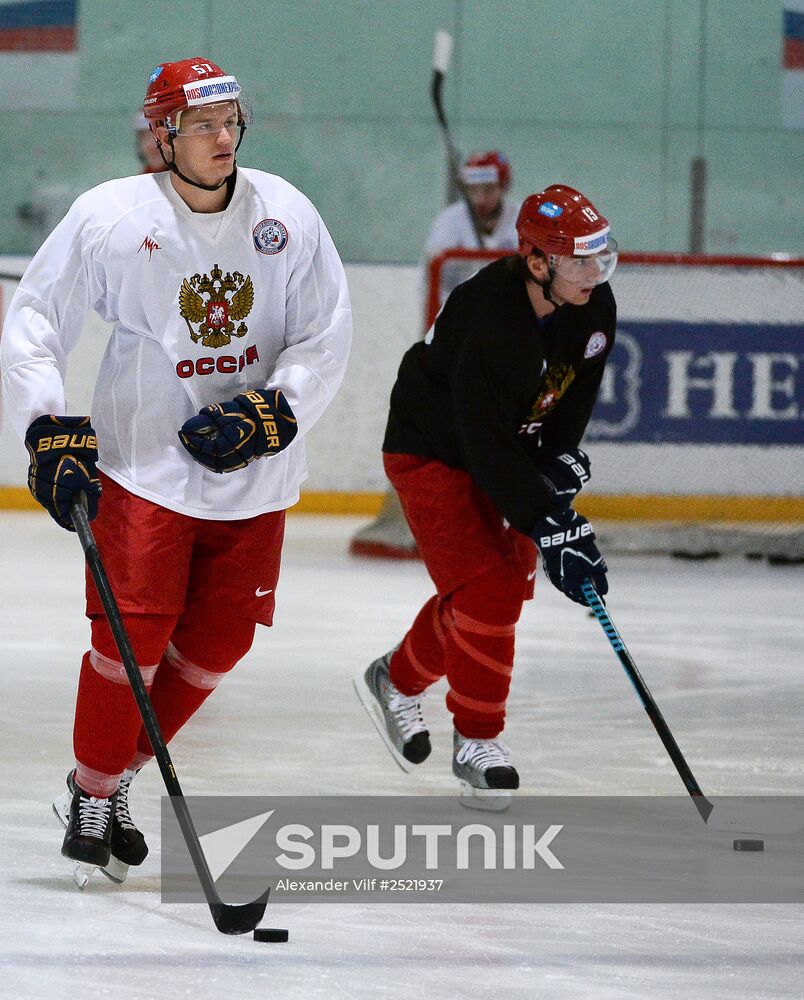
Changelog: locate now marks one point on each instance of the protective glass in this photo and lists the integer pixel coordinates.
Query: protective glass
(209, 120)
(587, 271)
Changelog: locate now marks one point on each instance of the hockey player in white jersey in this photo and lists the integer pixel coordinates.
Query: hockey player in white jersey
(486, 178)
(231, 329)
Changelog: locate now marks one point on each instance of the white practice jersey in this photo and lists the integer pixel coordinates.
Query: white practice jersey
(453, 229)
(202, 307)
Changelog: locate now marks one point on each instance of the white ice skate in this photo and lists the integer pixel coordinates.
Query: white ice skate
(485, 772)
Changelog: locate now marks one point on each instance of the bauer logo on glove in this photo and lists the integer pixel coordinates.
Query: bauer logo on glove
(63, 453)
(565, 473)
(566, 541)
(266, 414)
(225, 437)
(581, 530)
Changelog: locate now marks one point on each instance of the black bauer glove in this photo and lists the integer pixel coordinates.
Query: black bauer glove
(566, 541)
(566, 472)
(228, 436)
(64, 452)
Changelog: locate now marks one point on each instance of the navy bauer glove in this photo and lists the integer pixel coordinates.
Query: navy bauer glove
(566, 471)
(228, 436)
(63, 453)
(566, 541)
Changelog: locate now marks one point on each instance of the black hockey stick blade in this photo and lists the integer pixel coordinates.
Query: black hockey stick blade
(435, 93)
(442, 53)
(229, 918)
(243, 919)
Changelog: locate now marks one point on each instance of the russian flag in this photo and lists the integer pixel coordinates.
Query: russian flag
(39, 54)
(793, 64)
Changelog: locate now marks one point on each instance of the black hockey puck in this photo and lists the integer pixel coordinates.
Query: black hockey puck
(275, 933)
(748, 845)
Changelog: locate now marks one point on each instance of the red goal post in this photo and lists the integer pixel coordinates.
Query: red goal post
(698, 436)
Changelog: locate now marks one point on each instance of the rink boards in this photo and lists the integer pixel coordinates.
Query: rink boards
(699, 416)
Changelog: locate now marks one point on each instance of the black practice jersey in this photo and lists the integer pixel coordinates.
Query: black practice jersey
(493, 388)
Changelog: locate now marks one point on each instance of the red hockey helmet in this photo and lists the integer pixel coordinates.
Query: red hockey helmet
(175, 86)
(487, 168)
(560, 221)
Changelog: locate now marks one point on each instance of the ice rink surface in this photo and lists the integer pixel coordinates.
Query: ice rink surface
(720, 644)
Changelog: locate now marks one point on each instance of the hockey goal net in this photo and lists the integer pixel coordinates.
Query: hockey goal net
(697, 440)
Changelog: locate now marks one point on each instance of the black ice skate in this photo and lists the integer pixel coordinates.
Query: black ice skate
(126, 844)
(397, 717)
(87, 839)
(485, 772)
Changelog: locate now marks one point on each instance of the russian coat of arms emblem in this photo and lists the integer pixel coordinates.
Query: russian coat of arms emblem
(215, 303)
(556, 383)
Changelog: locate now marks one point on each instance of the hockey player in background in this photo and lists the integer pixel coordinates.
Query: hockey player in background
(231, 328)
(486, 178)
(482, 446)
(148, 151)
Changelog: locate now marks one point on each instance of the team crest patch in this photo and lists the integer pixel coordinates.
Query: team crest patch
(596, 343)
(270, 236)
(204, 302)
(556, 383)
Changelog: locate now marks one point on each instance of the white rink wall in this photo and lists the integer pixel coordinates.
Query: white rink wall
(344, 448)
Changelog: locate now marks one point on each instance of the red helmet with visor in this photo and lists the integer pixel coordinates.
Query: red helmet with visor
(562, 223)
(174, 87)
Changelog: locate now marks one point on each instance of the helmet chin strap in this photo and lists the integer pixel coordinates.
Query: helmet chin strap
(547, 285)
(171, 164)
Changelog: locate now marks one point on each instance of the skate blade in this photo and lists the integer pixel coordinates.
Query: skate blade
(82, 873)
(116, 871)
(374, 712)
(484, 799)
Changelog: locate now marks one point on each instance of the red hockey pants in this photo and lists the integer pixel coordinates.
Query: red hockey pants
(190, 592)
(483, 572)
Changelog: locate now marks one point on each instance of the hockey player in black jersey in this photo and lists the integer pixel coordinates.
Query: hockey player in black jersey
(483, 447)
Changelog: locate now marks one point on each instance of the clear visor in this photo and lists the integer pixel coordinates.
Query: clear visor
(211, 119)
(587, 271)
